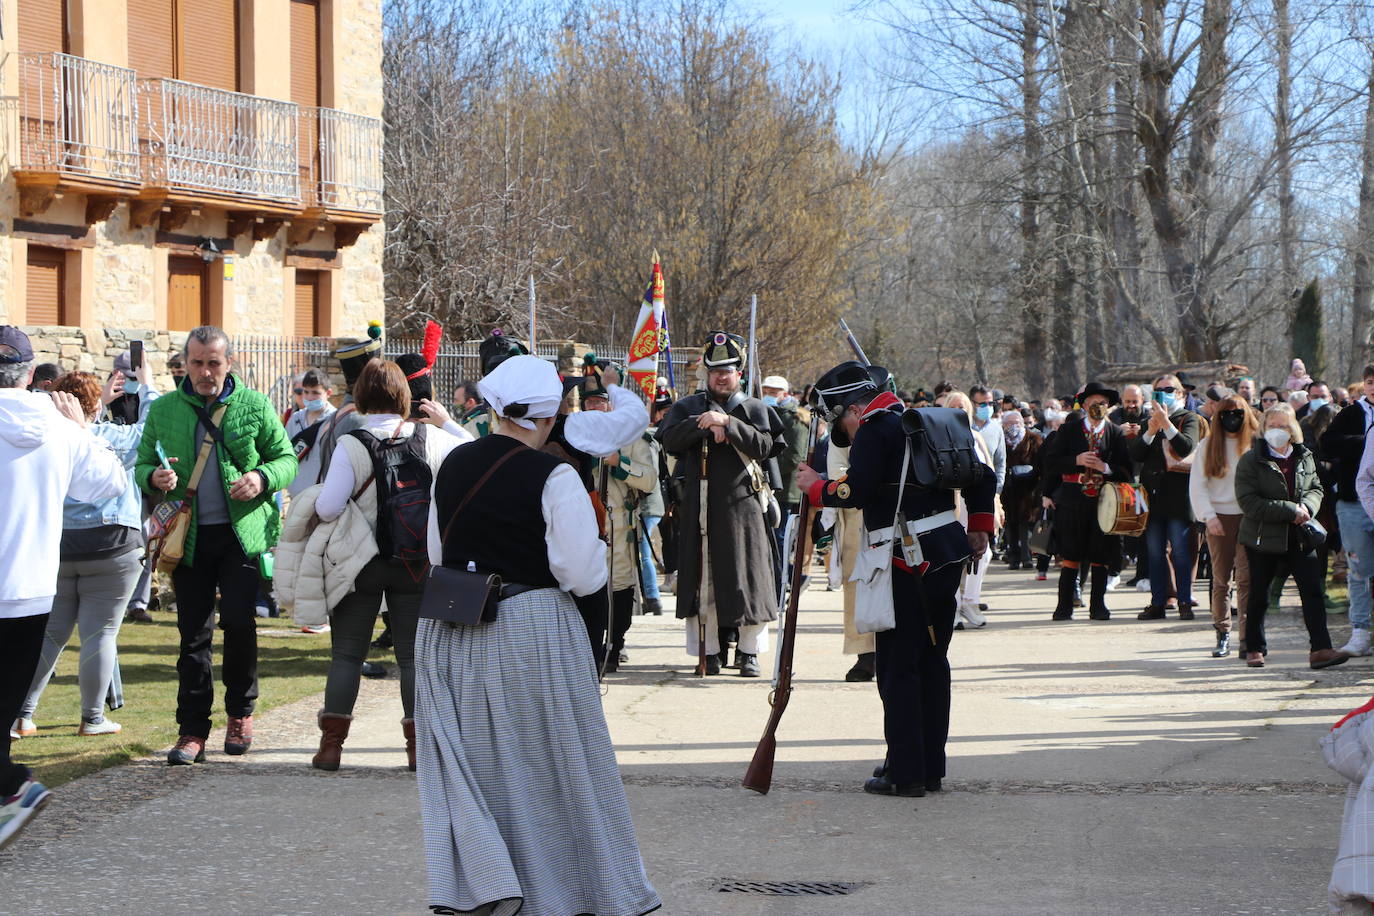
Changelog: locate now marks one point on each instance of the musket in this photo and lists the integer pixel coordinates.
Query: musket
(759, 776)
(753, 355)
(702, 509)
(853, 343)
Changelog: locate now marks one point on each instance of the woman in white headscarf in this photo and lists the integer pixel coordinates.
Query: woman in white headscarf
(523, 806)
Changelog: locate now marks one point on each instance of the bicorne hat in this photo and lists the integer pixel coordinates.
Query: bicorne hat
(722, 350)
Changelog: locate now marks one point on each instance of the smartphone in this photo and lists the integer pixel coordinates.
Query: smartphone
(135, 355)
(162, 455)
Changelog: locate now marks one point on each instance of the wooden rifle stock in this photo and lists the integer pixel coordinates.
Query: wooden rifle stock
(759, 776)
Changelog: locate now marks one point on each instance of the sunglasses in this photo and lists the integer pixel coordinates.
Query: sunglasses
(1270, 400)
(1233, 412)
(1167, 389)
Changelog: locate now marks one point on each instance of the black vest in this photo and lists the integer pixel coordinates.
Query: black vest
(502, 527)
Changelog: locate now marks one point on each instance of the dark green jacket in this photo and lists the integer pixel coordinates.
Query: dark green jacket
(1267, 511)
(254, 439)
(794, 433)
(1168, 490)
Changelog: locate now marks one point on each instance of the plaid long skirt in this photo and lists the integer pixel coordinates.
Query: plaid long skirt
(520, 794)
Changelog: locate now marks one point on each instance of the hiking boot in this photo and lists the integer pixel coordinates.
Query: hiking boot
(18, 809)
(189, 749)
(239, 736)
(333, 731)
(748, 665)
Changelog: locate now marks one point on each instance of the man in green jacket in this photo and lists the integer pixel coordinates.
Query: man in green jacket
(234, 520)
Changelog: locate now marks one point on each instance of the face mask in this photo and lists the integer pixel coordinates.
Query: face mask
(1014, 435)
(314, 405)
(1097, 412)
(130, 386)
(789, 401)
(1232, 423)
(770, 400)
(1277, 438)
(983, 412)
(1317, 404)
(1166, 399)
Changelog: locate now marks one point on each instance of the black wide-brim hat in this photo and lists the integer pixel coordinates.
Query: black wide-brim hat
(1092, 388)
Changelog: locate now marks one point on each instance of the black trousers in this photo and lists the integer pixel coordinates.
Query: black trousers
(913, 675)
(1018, 551)
(593, 610)
(220, 566)
(1307, 573)
(21, 641)
(622, 613)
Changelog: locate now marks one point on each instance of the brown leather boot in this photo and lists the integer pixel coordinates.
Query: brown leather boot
(333, 730)
(408, 727)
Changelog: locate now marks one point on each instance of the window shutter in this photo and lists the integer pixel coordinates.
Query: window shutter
(208, 43)
(305, 53)
(307, 303)
(44, 296)
(185, 293)
(42, 25)
(151, 46)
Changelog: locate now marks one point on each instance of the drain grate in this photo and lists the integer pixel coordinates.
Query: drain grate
(789, 888)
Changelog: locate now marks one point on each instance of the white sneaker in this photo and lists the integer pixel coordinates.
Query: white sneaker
(1359, 643)
(23, 728)
(1113, 582)
(322, 628)
(19, 808)
(103, 727)
(1143, 585)
(975, 618)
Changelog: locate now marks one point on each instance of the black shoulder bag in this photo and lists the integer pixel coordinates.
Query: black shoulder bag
(456, 595)
(943, 456)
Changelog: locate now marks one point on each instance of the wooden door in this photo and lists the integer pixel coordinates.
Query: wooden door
(45, 296)
(307, 303)
(186, 293)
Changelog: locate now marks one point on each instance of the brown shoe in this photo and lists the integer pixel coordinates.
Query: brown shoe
(1254, 660)
(333, 730)
(408, 728)
(138, 615)
(189, 749)
(1326, 658)
(239, 736)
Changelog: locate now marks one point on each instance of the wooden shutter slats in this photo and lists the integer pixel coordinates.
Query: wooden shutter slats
(305, 53)
(42, 26)
(152, 47)
(307, 303)
(208, 41)
(45, 293)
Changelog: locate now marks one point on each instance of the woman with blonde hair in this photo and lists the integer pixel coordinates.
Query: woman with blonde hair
(971, 588)
(1279, 495)
(1212, 490)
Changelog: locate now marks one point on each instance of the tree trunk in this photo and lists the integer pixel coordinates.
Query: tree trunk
(1283, 152)
(1364, 241)
(1032, 272)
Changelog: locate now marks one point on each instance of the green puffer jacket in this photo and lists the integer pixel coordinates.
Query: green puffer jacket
(255, 440)
(1267, 509)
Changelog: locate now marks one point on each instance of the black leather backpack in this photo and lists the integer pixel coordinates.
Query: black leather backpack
(943, 455)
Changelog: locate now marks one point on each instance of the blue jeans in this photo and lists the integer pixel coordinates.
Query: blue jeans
(1175, 532)
(1357, 537)
(648, 577)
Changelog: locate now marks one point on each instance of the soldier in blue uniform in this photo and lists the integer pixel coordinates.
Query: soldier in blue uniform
(912, 658)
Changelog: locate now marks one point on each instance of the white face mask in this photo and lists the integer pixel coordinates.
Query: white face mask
(1278, 438)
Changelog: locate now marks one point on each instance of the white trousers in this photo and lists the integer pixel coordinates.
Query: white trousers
(753, 638)
(971, 591)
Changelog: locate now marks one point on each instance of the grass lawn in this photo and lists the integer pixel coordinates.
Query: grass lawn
(291, 665)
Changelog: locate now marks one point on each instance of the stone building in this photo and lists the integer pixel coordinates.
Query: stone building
(182, 162)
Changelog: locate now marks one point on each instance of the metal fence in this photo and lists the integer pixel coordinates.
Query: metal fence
(270, 364)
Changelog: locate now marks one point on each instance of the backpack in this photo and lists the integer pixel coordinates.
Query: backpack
(404, 479)
(943, 454)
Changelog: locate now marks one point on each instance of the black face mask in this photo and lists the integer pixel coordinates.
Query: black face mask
(1232, 423)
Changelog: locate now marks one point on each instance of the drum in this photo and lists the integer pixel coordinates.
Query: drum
(1122, 509)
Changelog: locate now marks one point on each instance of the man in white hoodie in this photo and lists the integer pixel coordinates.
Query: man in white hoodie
(46, 454)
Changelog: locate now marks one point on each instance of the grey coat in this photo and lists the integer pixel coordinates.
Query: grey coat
(742, 545)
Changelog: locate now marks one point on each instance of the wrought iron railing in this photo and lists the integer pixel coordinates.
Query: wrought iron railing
(78, 116)
(204, 139)
(346, 161)
(270, 364)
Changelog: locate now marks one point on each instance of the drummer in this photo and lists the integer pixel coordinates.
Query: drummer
(1086, 454)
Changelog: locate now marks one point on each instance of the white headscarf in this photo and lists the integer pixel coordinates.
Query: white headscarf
(528, 380)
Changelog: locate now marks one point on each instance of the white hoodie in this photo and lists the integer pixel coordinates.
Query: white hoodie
(44, 457)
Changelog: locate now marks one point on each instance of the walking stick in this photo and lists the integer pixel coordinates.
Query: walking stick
(702, 511)
(759, 776)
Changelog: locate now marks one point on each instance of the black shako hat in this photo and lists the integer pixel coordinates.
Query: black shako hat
(498, 348)
(722, 350)
(421, 386)
(1093, 388)
(353, 355)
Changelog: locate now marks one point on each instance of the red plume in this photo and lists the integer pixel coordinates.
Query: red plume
(434, 334)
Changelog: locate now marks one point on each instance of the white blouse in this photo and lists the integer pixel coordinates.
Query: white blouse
(601, 432)
(577, 557)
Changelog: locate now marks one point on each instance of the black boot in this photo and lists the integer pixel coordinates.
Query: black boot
(1068, 585)
(863, 669)
(1097, 601)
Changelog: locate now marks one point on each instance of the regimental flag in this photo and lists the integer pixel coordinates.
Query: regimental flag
(651, 335)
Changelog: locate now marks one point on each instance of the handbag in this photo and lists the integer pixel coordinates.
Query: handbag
(171, 519)
(1311, 536)
(874, 610)
(942, 451)
(461, 596)
(1039, 540)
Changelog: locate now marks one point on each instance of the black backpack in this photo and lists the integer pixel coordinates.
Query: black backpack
(943, 456)
(404, 480)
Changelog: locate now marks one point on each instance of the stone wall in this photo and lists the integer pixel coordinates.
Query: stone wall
(74, 349)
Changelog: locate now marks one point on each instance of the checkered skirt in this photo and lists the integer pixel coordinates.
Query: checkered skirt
(520, 794)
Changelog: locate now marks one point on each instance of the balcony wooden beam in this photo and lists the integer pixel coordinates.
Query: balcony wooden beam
(37, 191)
(176, 216)
(100, 206)
(146, 207)
(304, 227)
(239, 223)
(267, 227)
(345, 234)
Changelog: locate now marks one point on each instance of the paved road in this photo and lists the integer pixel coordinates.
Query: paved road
(1096, 768)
